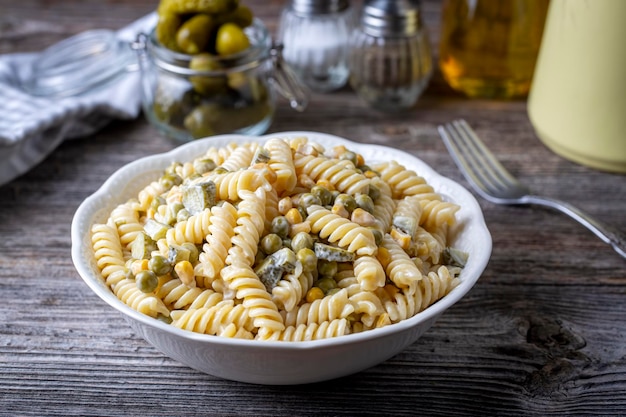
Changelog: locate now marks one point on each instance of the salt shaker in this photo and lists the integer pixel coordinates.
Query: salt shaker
(390, 61)
(315, 35)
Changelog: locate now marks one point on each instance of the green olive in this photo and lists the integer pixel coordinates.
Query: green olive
(347, 201)
(207, 84)
(365, 202)
(271, 243)
(325, 284)
(323, 194)
(195, 34)
(300, 241)
(166, 29)
(280, 226)
(307, 258)
(160, 265)
(146, 281)
(326, 268)
(231, 39)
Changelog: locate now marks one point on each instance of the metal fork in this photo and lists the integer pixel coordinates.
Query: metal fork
(494, 183)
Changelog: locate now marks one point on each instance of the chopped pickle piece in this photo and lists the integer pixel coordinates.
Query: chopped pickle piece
(261, 156)
(455, 257)
(332, 253)
(156, 230)
(274, 266)
(405, 224)
(142, 246)
(198, 197)
(178, 254)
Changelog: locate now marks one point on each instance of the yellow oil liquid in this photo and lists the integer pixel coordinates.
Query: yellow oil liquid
(489, 47)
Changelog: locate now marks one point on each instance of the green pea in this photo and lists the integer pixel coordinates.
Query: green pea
(373, 192)
(326, 268)
(333, 291)
(300, 241)
(365, 202)
(325, 284)
(308, 200)
(280, 226)
(347, 201)
(323, 194)
(307, 258)
(378, 235)
(160, 265)
(146, 281)
(271, 243)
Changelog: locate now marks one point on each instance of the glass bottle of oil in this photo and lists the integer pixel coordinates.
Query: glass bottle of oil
(489, 47)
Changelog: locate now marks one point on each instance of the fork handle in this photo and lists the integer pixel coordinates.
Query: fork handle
(607, 233)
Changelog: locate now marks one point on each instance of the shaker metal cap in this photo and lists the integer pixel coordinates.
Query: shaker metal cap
(391, 17)
(313, 7)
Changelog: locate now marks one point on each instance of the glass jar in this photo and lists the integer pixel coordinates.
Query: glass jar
(193, 96)
(390, 61)
(489, 47)
(315, 35)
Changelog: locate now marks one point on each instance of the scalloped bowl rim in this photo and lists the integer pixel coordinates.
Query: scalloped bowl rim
(86, 214)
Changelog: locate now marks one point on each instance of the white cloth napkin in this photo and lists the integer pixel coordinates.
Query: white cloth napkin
(32, 127)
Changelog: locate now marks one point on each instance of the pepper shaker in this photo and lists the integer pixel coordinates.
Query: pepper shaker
(390, 61)
(315, 35)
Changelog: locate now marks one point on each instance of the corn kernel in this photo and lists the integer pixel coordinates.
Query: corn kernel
(184, 269)
(293, 216)
(401, 239)
(326, 184)
(360, 161)
(284, 205)
(313, 294)
(340, 210)
(370, 174)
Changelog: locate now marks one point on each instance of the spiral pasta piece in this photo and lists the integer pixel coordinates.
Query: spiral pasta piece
(250, 225)
(229, 185)
(313, 331)
(218, 240)
(404, 182)
(249, 288)
(177, 295)
(126, 290)
(436, 213)
(401, 270)
(108, 253)
(341, 173)
(331, 307)
(336, 229)
(292, 289)
(126, 220)
(281, 162)
(435, 286)
(147, 195)
(193, 230)
(239, 158)
(369, 272)
(220, 154)
(224, 319)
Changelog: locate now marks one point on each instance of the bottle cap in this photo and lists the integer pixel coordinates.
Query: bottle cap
(391, 18)
(314, 7)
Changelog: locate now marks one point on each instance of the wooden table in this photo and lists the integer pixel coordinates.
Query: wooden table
(542, 333)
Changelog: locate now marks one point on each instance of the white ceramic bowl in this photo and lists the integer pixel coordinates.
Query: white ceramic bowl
(277, 363)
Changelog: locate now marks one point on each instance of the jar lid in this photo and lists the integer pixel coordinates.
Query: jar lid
(391, 18)
(78, 64)
(314, 7)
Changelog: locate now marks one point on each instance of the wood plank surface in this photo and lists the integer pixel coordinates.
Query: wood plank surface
(542, 333)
